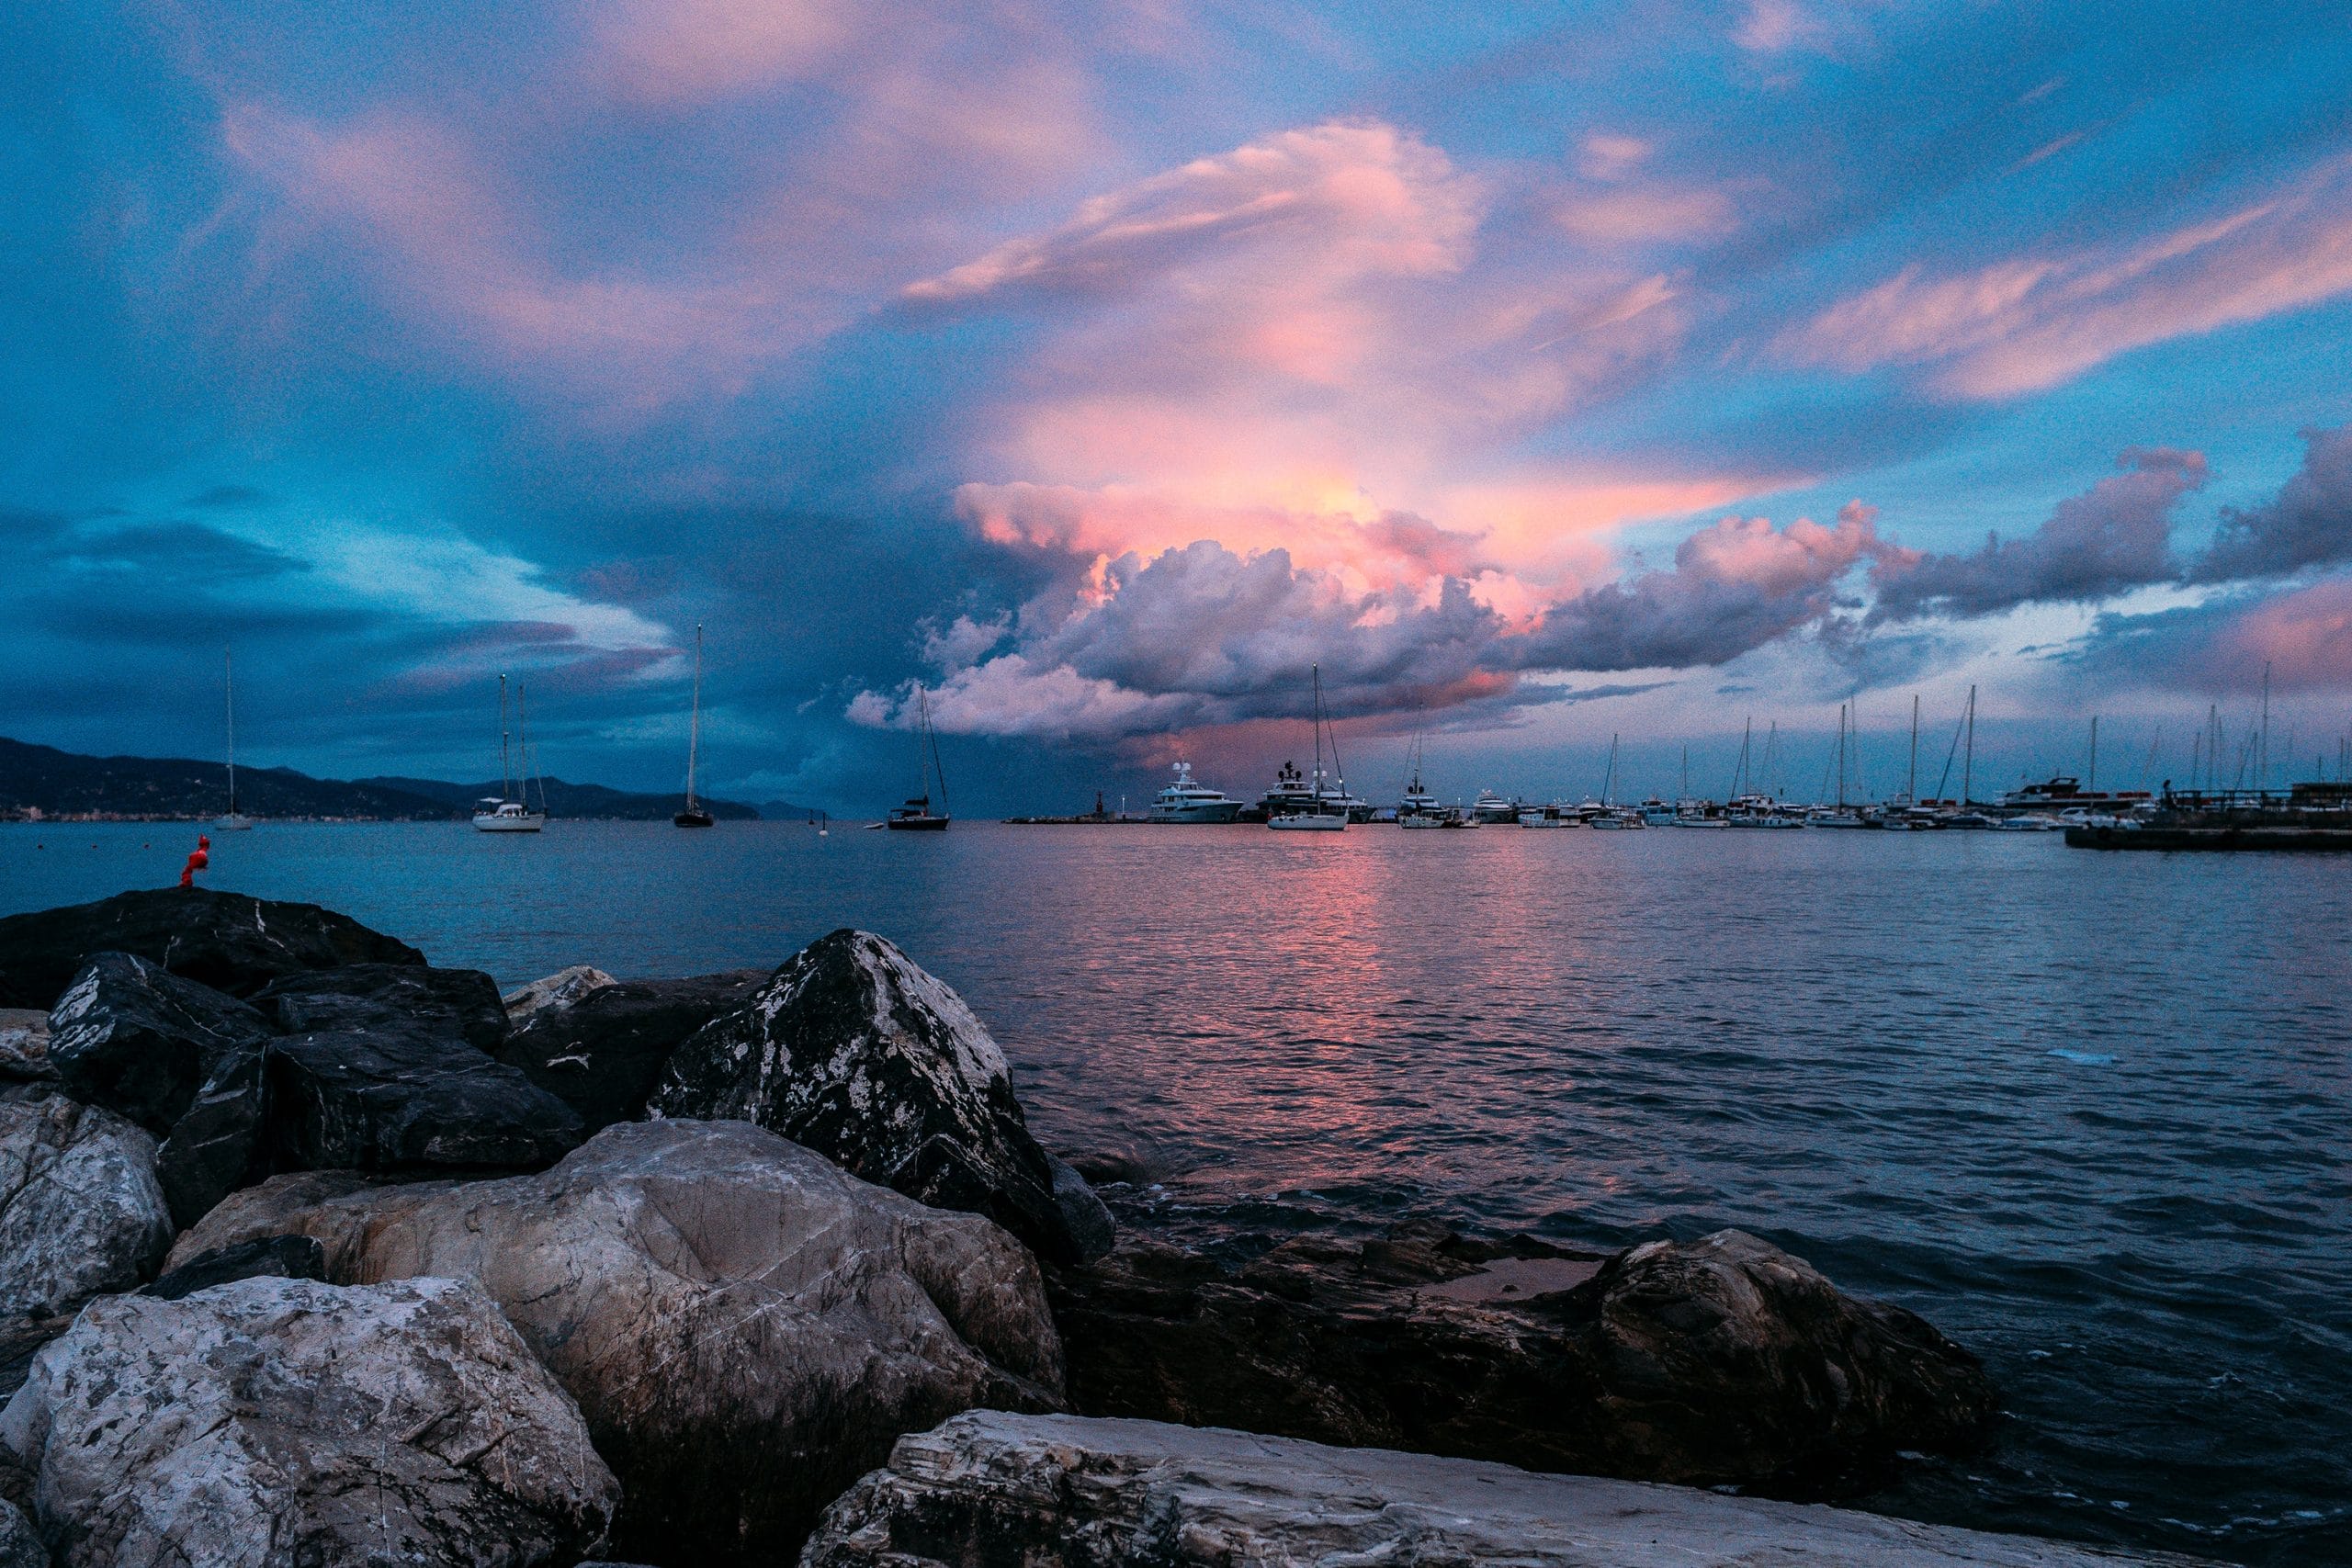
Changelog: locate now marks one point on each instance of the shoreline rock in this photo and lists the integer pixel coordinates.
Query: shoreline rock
(601, 1048)
(747, 1327)
(281, 1420)
(1073, 1492)
(81, 1214)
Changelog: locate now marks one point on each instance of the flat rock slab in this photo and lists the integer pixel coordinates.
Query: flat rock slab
(387, 1100)
(1515, 1278)
(1071, 1492)
(275, 1422)
(389, 995)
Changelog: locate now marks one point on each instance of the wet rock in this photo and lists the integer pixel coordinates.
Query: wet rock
(1066, 1492)
(402, 998)
(391, 1100)
(266, 1258)
(283, 1421)
(560, 989)
(1722, 1360)
(603, 1050)
(80, 1211)
(24, 1046)
(134, 1037)
(21, 1544)
(746, 1326)
(227, 941)
(854, 1050)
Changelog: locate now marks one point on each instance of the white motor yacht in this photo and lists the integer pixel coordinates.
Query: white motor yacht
(1552, 816)
(1186, 800)
(496, 816)
(1492, 807)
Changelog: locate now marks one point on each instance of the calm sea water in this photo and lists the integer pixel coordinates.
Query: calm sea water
(2090, 1114)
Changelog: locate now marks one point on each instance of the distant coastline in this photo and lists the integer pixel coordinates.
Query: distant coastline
(42, 783)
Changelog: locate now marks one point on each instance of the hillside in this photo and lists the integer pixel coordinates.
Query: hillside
(45, 780)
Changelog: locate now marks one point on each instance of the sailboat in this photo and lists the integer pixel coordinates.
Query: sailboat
(235, 821)
(1327, 814)
(916, 814)
(509, 811)
(694, 816)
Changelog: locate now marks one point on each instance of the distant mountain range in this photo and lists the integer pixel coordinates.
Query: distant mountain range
(43, 780)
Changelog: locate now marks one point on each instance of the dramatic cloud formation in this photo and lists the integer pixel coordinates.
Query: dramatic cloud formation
(1202, 636)
(2308, 523)
(2115, 538)
(2299, 641)
(2024, 325)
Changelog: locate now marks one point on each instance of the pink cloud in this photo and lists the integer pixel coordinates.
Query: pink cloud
(2304, 636)
(2031, 323)
(1648, 216)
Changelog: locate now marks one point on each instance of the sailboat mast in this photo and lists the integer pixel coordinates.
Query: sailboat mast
(931, 733)
(1841, 755)
(1319, 735)
(1912, 789)
(229, 675)
(1968, 768)
(694, 725)
(1609, 780)
(2262, 763)
(2090, 782)
(505, 768)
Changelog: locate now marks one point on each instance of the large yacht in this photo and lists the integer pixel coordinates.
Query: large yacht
(1492, 807)
(2064, 793)
(1187, 800)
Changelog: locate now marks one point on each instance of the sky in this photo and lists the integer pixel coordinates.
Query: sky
(1087, 376)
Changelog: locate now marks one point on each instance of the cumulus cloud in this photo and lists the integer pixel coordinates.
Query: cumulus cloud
(2308, 523)
(1733, 587)
(1203, 635)
(2032, 322)
(2114, 538)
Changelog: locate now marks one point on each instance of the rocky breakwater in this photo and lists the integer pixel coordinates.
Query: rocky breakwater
(747, 1231)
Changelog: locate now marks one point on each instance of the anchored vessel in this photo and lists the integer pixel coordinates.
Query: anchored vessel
(1186, 800)
(694, 816)
(1326, 809)
(509, 810)
(916, 814)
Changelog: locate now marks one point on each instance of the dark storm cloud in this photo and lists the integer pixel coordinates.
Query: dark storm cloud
(2307, 523)
(2114, 538)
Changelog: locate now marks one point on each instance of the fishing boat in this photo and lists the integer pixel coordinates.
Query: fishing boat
(1186, 800)
(694, 816)
(235, 821)
(916, 816)
(509, 810)
(1322, 812)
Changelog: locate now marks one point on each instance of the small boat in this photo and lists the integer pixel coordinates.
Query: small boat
(509, 811)
(1656, 813)
(1552, 816)
(1620, 817)
(235, 821)
(1834, 816)
(916, 816)
(1324, 809)
(1188, 801)
(694, 816)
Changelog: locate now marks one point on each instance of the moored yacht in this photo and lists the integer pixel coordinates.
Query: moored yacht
(1492, 807)
(1325, 808)
(509, 810)
(1187, 800)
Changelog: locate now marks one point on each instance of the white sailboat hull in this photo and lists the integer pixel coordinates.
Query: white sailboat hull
(529, 822)
(1306, 822)
(235, 822)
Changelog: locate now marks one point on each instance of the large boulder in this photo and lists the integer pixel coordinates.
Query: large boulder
(227, 941)
(1066, 1492)
(368, 997)
(854, 1050)
(1722, 1360)
(21, 1544)
(182, 1059)
(601, 1048)
(80, 1210)
(129, 1036)
(393, 1099)
(746, 1326)
(283, 1421)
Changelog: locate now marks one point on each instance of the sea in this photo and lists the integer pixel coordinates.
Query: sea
(2089, 1113)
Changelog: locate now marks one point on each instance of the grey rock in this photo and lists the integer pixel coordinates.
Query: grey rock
(283, 1422)
(602, 1050)
(559, 990)
(21, 1544)
(267, 1257)
(1722, 1360)
(80, 1211)
(392, 1101)
(227, 941)
(1068, 1491)
(746, 1326)
(854, 1050)
(402, 998)
(24, 1046)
